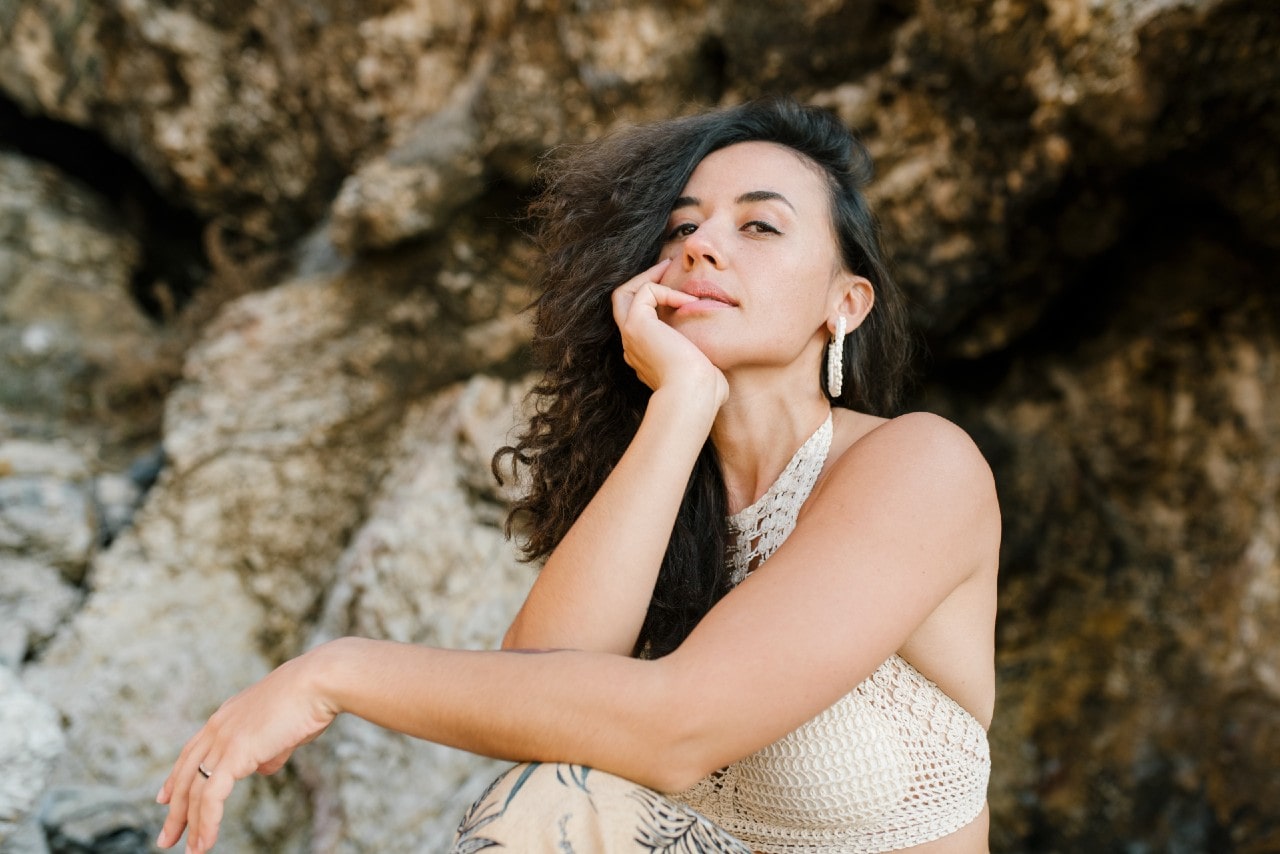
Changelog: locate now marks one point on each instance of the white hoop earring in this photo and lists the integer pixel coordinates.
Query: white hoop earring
(835, 360)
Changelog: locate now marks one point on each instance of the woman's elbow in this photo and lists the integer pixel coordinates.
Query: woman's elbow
(680, 768)
(676, 777)
(671, 767)
(521, 635)
(683, 751)
(511, 640)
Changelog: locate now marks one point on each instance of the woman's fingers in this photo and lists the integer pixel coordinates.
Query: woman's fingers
(196, 801)
(175, 822)
(210, 786)
(650, 346)
(176, 791)
(206, 810)
(170, 783)
(256, 729)
(655, 295)
(624, 295)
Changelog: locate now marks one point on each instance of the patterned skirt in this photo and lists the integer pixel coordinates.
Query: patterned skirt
(571, 809)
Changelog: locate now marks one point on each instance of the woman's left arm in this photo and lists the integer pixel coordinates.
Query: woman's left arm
(592, 708)
(903, 519)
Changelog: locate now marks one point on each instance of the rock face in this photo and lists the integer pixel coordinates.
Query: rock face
(73, 343)
(1080, 199)
(1154, 633)
(458, 588)
(30, 742)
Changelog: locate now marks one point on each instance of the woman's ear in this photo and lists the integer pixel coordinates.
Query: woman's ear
(854, 298)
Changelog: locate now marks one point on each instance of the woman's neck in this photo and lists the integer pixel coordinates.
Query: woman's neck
(757, 433)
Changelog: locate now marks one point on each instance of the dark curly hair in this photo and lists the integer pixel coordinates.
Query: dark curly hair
(600, 219)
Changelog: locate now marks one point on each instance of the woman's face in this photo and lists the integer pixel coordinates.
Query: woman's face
(752, 235)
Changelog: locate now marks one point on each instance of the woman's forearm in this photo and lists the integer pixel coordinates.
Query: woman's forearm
(609, 712)
(594, 590)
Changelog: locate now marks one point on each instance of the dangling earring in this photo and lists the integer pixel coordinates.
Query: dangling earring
(835, 360)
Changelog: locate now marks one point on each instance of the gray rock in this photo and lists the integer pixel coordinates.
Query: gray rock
(30, 742)
(72, 340)
(414, 188)
(27, 838)
(35, 600)
(46, 510)
(98, 820)
(56, 459)
(274, 438)
(186, 87)
(115, 499)
(430, 566)
(219, 573)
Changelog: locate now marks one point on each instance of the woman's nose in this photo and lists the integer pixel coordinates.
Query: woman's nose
(701, 248)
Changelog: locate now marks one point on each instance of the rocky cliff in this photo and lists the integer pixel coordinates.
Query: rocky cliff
(260, 330)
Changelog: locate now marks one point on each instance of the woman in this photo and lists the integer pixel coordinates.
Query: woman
(722, 344)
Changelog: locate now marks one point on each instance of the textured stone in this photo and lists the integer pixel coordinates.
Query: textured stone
(115, 499)
(30, 742)
(73, 343)
(269, 471)
(46, 511)
(27, 838)
(429, 566)
(1140, 477)
(34, 601)
(48, 518)
(271, 466)
(414, 189)
(1000, 131)
(188, 88)
(98, 820)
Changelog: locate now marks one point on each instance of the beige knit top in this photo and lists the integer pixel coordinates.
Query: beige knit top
(894, 763)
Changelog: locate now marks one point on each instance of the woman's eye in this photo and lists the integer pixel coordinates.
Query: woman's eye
(760, 227)
(684, 229)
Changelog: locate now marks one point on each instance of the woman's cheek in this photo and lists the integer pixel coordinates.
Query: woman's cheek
(666, 255)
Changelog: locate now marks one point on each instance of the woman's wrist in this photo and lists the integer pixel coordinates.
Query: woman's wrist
(692, 398)
(327, 671)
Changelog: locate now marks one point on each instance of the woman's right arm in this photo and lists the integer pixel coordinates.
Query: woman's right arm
(595, 588)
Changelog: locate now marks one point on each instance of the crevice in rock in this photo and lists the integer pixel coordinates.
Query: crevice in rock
(174, 264)
(1151, 223)
(713, 68)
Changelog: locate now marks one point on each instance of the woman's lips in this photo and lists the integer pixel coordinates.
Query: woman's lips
(709, 298)
(702, 305)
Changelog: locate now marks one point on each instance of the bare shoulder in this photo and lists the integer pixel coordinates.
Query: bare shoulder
(915, 440)
(920, 462)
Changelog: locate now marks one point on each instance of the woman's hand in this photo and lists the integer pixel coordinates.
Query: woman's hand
(657, 352)
(256, 730)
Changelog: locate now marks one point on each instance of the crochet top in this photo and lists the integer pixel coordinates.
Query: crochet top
(894, 763)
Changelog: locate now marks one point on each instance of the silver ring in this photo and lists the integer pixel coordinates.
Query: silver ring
(204, 772)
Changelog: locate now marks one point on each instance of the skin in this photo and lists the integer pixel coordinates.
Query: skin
(894, 551)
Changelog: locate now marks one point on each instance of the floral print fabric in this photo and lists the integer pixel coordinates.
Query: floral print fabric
(538, 808)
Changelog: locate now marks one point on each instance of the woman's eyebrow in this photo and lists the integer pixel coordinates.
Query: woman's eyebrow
(745, 198)
(763, 196)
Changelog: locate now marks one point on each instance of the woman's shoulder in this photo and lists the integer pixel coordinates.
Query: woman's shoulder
(916, 433)
(914, 450)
